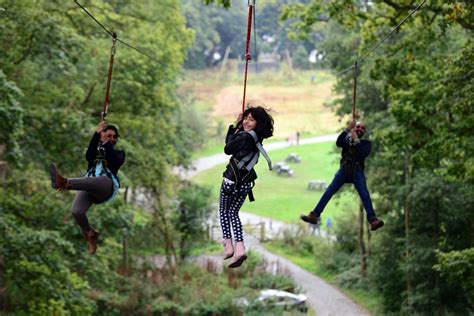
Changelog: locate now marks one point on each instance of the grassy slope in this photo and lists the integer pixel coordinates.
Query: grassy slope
(296, 103)
(284, 198)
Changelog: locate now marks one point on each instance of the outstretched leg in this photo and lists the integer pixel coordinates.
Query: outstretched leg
(99, 187)
(361, 186)
(336, 184)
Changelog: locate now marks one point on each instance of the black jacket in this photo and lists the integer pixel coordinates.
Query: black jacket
(239, 145)
(114, 158)
(360, 149)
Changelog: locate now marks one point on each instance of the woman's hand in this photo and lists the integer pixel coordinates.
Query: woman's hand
(238, 123)
(102, 125)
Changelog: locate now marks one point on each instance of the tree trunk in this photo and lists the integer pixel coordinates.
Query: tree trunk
(408, 277)
(3, 164)
(125, 250)
(435, 246)
(3, 294)
(165, 229)
(290, 63)
(224, 61)
(363, 253)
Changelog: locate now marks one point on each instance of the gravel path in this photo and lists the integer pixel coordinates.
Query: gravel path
(324, 298)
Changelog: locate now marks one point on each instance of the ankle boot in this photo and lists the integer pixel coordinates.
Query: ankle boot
(311, 218)
(92, 236)
(228, 248)
(58, 182)
(239, 255)
(375, 223)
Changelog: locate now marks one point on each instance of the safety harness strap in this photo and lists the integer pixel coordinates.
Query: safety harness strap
(250, 160)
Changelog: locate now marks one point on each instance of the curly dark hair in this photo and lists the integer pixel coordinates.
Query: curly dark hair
(264, 128)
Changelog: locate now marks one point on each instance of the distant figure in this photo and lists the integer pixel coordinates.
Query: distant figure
(354, 152)
(312, 78)
(297, 138)
(328, 223)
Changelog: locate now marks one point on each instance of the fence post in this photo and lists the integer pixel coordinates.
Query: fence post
(262, 231)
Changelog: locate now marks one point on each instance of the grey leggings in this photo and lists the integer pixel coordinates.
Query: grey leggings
(91, 191)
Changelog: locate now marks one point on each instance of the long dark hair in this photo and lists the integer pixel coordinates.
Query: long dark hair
(264, 128)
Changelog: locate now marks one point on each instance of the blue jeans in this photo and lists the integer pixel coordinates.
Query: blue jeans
(360, 185)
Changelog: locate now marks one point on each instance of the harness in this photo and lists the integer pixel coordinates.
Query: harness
(100, 169)
(248, 162)
(251, 159)
(350, 163)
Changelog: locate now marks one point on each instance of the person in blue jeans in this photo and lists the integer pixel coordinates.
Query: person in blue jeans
(354, 151)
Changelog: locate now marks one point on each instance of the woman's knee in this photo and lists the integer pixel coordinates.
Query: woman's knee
(77, 210)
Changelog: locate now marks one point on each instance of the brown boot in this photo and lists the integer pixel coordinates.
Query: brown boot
(58, 182)
(92, 236)
(311, 218)
(239, 255)
(375, 223)
(228, 248)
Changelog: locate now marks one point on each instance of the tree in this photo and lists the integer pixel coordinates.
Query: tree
(412, 98)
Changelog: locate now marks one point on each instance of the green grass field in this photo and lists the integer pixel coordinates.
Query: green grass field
(285, 198)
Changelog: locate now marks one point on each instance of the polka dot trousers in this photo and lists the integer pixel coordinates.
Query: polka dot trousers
(231, 200)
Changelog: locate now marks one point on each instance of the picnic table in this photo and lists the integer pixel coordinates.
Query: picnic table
(283, 169)
(317, 185)
(293, 157)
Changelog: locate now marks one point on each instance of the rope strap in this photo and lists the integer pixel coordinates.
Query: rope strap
(354, 93)
(252, 158)
(109, 77)
(247, 49)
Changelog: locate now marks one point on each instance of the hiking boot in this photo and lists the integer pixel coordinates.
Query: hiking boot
(92, 236)
(375, 223)
(239, 255)
(311, 218)
(58, 182)
(228, 248)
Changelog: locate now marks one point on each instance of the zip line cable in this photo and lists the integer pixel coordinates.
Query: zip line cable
(112, 34)
(115, 39)
(360, 61)
(93, 18)
(251, 4)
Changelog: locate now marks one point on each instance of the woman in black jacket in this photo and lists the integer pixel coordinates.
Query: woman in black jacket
(242, 142)
(100, 183)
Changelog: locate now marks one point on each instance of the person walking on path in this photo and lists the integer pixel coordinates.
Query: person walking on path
(354, 152)
(100, 184)
(243, 142)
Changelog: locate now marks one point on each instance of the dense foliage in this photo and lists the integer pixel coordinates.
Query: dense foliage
(219, 28)
(415, 95)
(53, 68)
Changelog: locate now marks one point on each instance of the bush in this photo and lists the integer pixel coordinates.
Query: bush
(269, 281)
